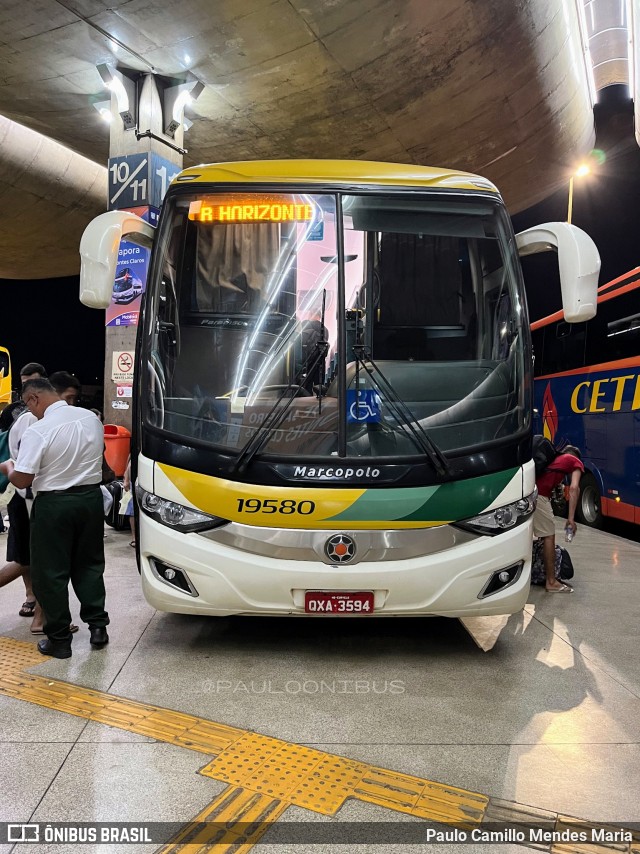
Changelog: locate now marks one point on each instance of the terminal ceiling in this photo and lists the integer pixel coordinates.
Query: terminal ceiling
(489, 86)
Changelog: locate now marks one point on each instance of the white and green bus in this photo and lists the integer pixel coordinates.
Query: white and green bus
(333, 388)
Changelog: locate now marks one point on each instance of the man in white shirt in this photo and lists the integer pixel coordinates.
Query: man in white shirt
(60, 456)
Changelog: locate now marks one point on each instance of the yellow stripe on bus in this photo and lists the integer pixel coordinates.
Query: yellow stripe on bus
(286, 507)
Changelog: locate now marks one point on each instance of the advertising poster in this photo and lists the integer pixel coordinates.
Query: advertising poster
(131, 278)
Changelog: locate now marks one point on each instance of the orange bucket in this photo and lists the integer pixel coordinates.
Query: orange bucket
(117, 442)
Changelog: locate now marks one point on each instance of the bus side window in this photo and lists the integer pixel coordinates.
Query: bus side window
(558, 347)
(614, 333)
(624, 336)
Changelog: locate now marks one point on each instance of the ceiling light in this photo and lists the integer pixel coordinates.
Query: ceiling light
(124, 90)
(176, 98)
(182, 101)
(104, 109)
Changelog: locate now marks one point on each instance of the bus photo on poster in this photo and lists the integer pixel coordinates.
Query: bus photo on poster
(128, 285)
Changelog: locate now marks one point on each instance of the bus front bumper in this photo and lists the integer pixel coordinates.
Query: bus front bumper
(224, 581)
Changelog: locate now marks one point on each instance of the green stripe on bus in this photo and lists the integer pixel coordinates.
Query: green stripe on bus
(380, 505)
(444, 503)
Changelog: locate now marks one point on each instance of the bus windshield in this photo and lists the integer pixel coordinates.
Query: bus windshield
(334, 324)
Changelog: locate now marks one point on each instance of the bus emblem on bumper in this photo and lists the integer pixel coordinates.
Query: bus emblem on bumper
(340, 548)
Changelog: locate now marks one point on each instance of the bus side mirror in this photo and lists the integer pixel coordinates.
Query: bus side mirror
(578, 261)
(99, 253)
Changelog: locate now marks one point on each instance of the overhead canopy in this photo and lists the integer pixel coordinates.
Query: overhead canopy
(498, 89)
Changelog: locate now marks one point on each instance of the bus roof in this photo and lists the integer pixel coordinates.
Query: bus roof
(347, 172)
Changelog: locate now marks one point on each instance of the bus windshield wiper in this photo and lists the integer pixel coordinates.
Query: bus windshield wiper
(276, 414)
(402, 414)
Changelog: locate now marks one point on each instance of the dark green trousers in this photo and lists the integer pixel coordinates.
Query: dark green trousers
(67, 544)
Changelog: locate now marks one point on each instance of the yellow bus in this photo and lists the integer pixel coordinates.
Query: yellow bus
(5, 378)
(333, 388)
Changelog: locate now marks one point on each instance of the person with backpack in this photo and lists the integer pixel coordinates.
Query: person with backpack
(566, 463)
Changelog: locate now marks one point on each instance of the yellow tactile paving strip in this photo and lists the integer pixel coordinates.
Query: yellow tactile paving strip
(422, 798)
(290, 772)
(162, 724)
(236, 821)
(267, 775)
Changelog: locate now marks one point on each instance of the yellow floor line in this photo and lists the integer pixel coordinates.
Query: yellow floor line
(266, 775)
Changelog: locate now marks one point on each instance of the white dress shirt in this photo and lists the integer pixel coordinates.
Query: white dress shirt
(17, 431)
(63, 449)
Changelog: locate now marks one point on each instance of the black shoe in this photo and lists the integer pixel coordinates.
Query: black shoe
(99, 636)
(54, 649)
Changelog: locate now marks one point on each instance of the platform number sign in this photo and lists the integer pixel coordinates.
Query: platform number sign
(128, 181)
(162, 174)
(139, 179)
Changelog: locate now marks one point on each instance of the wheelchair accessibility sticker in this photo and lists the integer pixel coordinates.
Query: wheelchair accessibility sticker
(363, 406)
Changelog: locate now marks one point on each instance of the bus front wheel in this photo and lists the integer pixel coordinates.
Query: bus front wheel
(589, 510)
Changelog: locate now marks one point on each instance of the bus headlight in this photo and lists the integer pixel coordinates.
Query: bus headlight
(176, 516)
(501, 518)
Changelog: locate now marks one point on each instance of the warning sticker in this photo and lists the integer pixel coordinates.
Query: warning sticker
(124, 391)
(122, 367)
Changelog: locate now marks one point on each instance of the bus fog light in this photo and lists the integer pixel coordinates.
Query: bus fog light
(501, 579)
(173, 577)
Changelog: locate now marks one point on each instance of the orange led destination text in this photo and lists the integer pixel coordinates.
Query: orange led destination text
(251, 209)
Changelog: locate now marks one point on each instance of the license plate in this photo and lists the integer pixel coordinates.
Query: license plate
(322, 602)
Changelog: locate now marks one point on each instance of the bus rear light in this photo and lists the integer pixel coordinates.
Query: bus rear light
(176, 516)
(501, 579)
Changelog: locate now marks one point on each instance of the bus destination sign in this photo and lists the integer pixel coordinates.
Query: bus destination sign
(251, 207)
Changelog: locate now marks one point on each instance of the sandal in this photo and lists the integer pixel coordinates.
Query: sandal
(27, 608)
(132, 544)
(564, 589)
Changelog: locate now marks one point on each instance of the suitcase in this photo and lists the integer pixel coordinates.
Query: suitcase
(114, 518)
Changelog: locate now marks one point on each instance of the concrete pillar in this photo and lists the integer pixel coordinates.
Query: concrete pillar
(139, 172)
